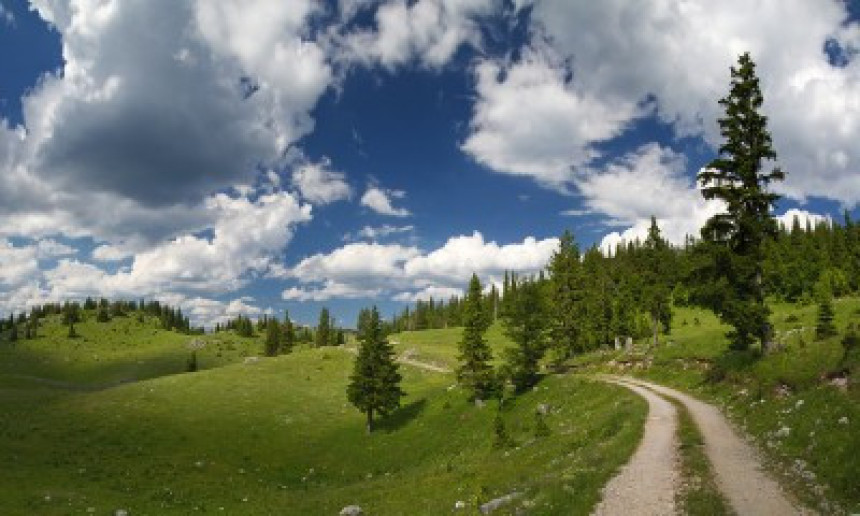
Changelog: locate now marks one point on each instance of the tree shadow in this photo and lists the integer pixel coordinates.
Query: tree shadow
(402, 416)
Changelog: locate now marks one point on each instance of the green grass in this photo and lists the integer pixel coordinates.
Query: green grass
(763, 395)
(439, 347)
(278, 436)
(699, 493)
(121, 350)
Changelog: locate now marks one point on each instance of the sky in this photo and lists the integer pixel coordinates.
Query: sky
(251, 157)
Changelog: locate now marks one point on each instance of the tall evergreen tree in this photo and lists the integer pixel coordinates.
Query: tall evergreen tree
(475, 372)
(566, 298)
(324, 329)
(374, 385)
(656, 290)
(737, 177)
(273, 337)
(289, 334)
(525, 325)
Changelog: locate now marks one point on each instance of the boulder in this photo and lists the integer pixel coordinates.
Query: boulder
(351, 510)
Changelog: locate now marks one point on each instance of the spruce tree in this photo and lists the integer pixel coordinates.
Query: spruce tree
(289, 334)
(824, 326)
(737, 177)
(525, 325)
(475, 372)
(374, 385)
(273, 337)
(656, 290)
(323, 333)
(566, 298)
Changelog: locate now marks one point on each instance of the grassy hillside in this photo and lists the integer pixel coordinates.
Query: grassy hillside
(808, 428)
(277, 436)
(440, 346)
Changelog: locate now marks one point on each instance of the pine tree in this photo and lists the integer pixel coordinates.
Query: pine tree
(13, 335)
(525, 325)
(824, 326)
(374, 386)
(323, 333)
(102, 315)
(273, 337)
(737, 178)
(289, 337)
(475, 372)
(566, 294)
(656, 291)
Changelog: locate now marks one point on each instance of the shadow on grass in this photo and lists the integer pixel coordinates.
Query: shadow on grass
(402, 416)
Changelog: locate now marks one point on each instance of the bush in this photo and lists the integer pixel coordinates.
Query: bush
(191, 364)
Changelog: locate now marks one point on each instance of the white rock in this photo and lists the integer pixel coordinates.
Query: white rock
(843, 420)
(351, 510)
(460, 504)
(783, 432)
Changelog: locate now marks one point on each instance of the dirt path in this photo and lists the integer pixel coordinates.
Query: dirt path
(646, 485)
(738, 471)
(408, 361)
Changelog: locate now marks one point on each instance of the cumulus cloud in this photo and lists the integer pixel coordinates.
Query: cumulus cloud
(803, 217)
(407, 273)
(426, 31)
(379, 200)
(319, 184)
(145, 126)
(532, 119)
(676, 57)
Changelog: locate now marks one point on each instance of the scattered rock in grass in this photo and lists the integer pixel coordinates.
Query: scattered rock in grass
(480, 403)
(783, 432)
(798, 404)
(544, 409)
(351, 510)
(782, 391)
(840, 382)
(843, 420)
(251, 360)
(196, 344)
(120, 512)
(498, 503)
(460, 504)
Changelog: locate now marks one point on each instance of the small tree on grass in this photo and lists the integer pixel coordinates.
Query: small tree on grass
(289, 334)
(72, 333)
(103, 315)
(273, 337)
(191, 364)
(475, 372)
(824, 326)
(501, 438)
(374, 386)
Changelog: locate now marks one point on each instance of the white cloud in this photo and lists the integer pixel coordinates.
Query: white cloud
(110, 253)
(320, 185)
(426, 31)
(404, 273)
(378, 232)
(18, 265)
(427, 293)
(6, 16)
(379, 200)
(155, 108)
(49, 248)
(678, 54)
(803, 217)
(532, 120)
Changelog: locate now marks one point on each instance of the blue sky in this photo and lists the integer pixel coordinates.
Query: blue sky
(245, 157)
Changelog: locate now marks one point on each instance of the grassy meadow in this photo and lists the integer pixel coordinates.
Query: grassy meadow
(110, 421)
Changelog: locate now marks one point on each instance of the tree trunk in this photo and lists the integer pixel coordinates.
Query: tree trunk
(369, 421)
(654, 322)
